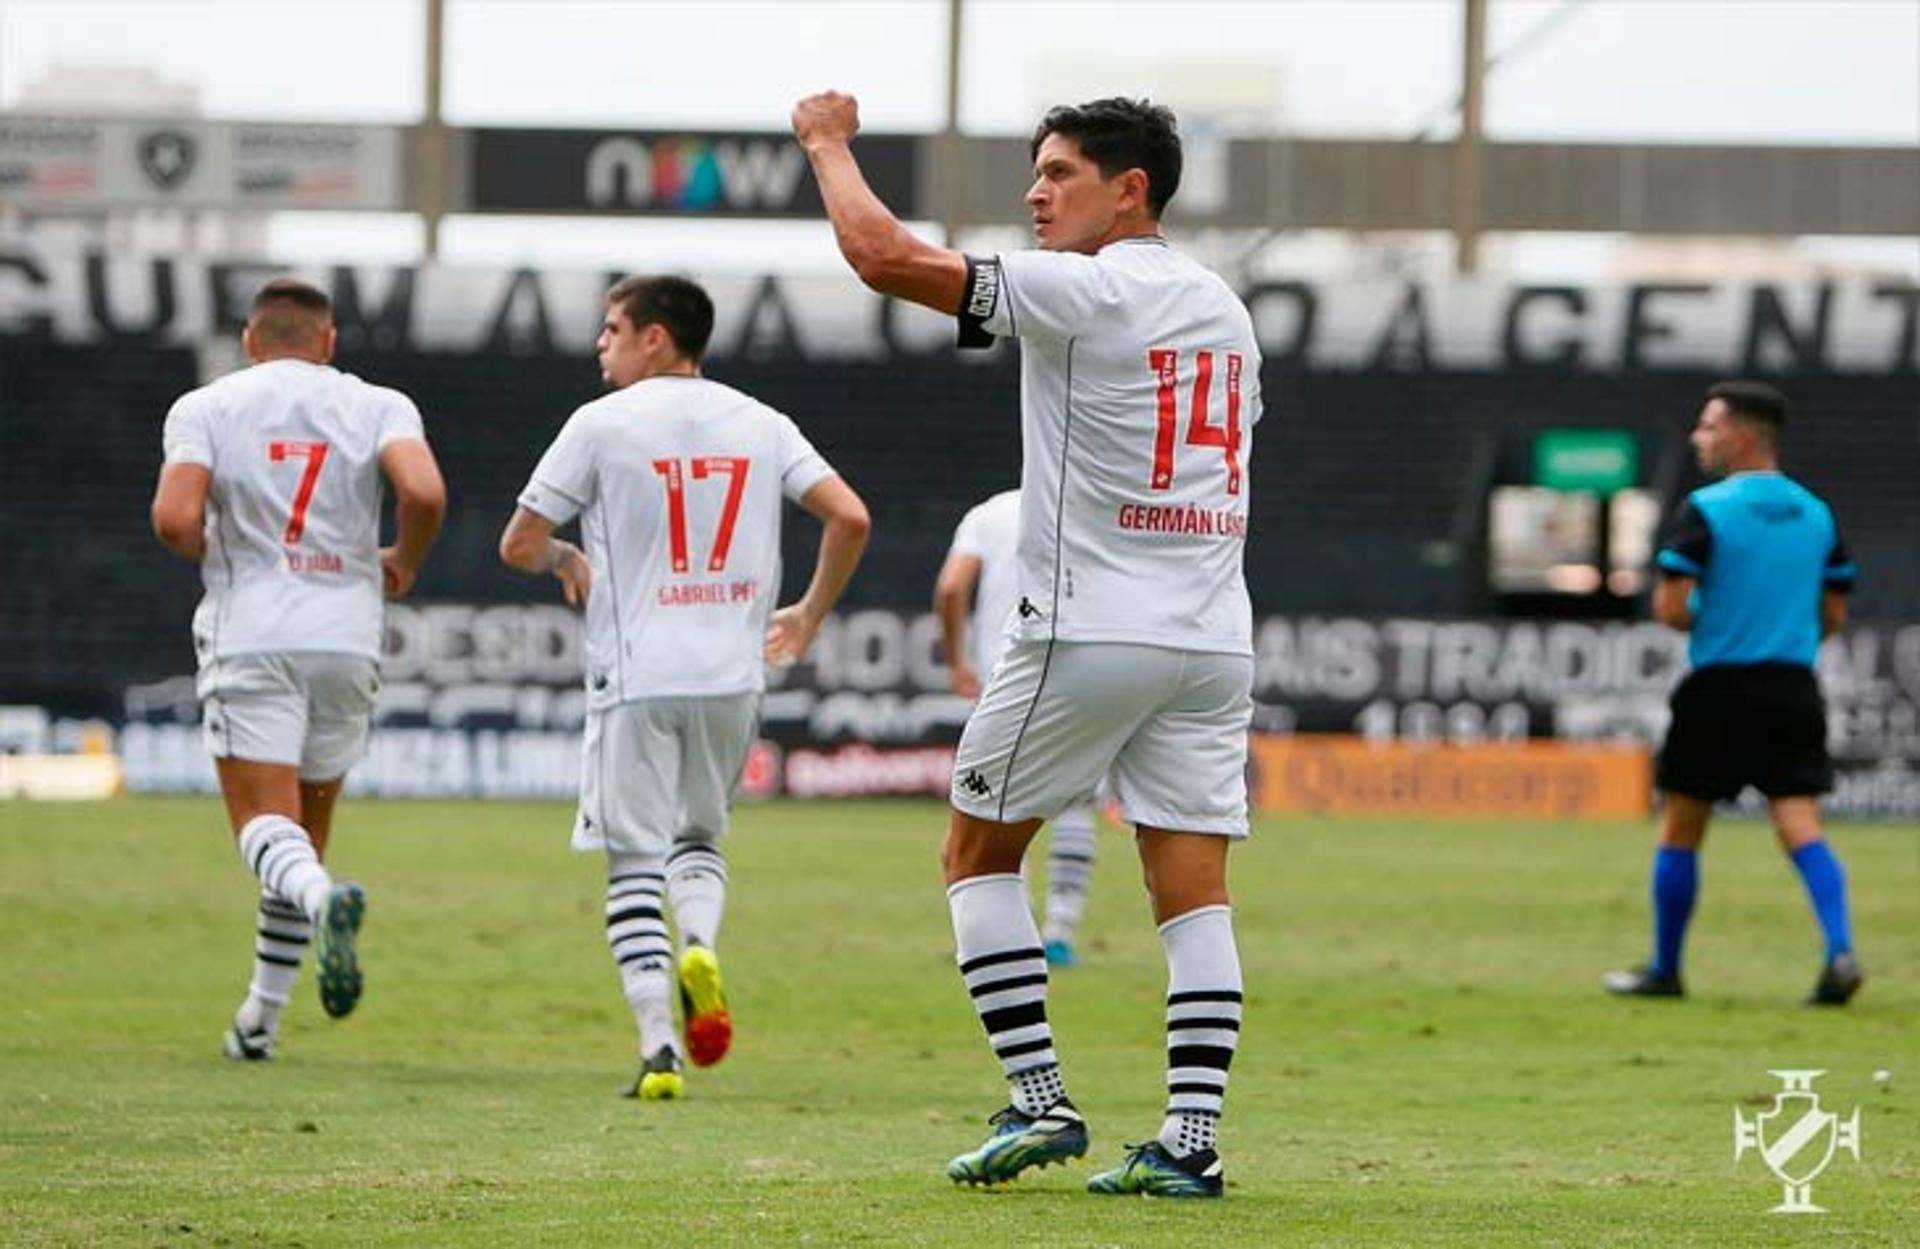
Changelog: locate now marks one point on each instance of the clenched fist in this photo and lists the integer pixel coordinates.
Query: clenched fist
(827, 118)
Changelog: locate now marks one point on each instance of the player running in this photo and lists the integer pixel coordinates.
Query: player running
(678, 483)
(272, 485)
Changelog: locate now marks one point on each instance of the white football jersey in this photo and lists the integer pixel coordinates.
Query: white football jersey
(293, 509)
(678, 483)
(990, 532)
(1139, 391)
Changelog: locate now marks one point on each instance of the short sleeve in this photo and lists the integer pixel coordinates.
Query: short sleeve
(185, 439)
(399, 419)
(563, 481)
(1036, 294)
(970, 538)
(801, 467)
(1686, 543)
(1839, 573)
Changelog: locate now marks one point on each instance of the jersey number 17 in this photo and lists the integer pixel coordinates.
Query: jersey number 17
(734, 469)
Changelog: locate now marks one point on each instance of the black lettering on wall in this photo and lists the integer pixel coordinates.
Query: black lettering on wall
(1768, 323)
(387, 326)
(100, 304)
(1407, 341)
(1643, 326)
(1563, 351)
(520, 324)
(1266, 301)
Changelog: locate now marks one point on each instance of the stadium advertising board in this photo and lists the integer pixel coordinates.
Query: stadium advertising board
(1334, 774)
(51, 163)
(486, 700)
(672, 173)
(1858, 326)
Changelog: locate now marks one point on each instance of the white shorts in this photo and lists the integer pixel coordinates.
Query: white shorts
(1166, 728)
(310, 710)
(659, 769)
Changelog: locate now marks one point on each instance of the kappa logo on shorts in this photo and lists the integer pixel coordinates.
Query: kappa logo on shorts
(975, 784)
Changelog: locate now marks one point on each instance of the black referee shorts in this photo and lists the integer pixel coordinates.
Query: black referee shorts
(1762, 725)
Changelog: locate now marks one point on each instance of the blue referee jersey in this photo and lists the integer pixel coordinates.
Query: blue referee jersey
(1763, 549)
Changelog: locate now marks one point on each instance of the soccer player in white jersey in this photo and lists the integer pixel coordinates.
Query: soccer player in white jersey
(272, 485)
(982, 559)
(1132, 648)
(678, 483)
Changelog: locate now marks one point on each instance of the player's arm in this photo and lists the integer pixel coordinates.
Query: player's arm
(1833, 612)
(952, 597)
(885, 255)
(528, 545)
(1685, 549)
(420, 508)
(1672, 601)
(179, 510)
(844, 537)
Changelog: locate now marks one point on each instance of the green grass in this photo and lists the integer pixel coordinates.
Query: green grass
(1427, 1057)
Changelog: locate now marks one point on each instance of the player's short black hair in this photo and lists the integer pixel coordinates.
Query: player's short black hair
(1119, 134)
(677, 305)
(288, 310)
(1752, 401)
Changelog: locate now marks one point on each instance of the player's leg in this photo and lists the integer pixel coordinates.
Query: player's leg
(1796, 822)
(1793, 769)
(340, 697)
(716, 735)
(1674, 887)
(1181, 780)
(1042, 735)
(282, 933)
(628, 806)
(1070, 847)
(254, 723)
(1698, 764)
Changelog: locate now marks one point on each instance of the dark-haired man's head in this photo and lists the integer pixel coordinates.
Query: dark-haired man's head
(654, 325)
(1102, 170)
(290, 318)
(1739, 428)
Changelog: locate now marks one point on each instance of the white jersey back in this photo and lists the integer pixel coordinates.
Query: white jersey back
(293, 509)
(678, 483)
(990, 533)
(1139, 391)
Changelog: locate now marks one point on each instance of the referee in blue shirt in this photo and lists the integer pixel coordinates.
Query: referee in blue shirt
(1754, 568)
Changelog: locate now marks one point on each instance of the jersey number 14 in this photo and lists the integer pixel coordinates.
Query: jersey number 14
(1165, 363)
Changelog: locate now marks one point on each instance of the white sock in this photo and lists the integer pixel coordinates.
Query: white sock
(637, 936)
(1203, 1024)
(281, 935)
(1070, 841)
(280, 853)
(998, 949)
(697, 888)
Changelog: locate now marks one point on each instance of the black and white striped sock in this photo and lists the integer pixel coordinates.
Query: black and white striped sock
(1203, 1024)
(280, 853)
(998, 949)
(697, 890)
(637, 935)
(1069, 871)
(281, 935)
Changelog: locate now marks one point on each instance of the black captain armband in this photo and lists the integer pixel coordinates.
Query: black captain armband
(978, 301)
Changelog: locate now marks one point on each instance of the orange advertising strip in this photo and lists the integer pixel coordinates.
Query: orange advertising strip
(1333, 774)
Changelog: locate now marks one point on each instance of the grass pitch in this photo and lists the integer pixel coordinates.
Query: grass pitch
(1427, 1060)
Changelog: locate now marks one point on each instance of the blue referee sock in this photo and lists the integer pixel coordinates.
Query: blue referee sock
(1827, 890)
(1676, 882)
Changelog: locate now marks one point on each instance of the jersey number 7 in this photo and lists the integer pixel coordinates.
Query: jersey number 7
(734, 468)
(315, 454)
(1165, 363)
